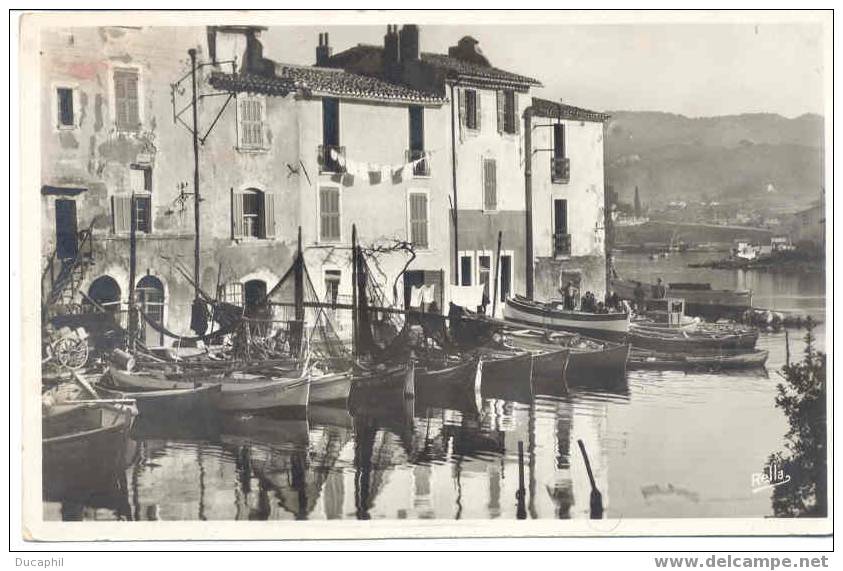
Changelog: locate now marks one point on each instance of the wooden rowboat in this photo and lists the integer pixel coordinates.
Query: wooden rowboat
(551, 315)
(700, 299)
(239, 391)
(330, 388)
(652, 360)
(686, 340)
(174, 403)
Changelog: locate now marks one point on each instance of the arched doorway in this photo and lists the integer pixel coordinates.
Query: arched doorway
(105, 292)
(150, 298)
(254, 294)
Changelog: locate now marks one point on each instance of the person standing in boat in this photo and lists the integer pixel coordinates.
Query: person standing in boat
(659, 290)
(640, 295)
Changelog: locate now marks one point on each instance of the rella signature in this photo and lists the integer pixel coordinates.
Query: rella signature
(772, 476)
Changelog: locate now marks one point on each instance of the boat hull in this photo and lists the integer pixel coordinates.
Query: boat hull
(597, 368)
(235, 394)
(684, 342)
(331, 388)
(647, 360)
(708, 303)
(545, 317)
(168, 403)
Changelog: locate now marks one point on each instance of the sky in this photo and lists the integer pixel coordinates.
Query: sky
(691, 69)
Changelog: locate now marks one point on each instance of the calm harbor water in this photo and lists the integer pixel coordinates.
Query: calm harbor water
(666, 444)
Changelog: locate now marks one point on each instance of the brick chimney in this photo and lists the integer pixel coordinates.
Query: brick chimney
(409, 42)
(391, 54)
(323, 50)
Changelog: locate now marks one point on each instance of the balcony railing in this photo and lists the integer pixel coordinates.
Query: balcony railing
(327, 162)
(421, 168)
(561, 244)
(560, 170)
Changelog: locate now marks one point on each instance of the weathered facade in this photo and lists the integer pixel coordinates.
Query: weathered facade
(424, 153)
(568, 198)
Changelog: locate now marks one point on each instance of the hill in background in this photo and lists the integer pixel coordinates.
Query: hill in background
(752, 158)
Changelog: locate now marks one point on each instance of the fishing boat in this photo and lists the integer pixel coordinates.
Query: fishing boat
(652, 360)
(239, 391)
(198, 400)
(330, 388)
(76, 434)
(552, 315)
(589, 361)
(700, 339)
(460, 375)
(700, 298)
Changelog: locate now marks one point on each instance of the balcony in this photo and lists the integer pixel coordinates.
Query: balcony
(561, 244)
(328, 164)
(560, 170)
(422, 168)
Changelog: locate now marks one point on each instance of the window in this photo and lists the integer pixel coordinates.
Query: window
(250, 125)
(143, 217)
(484, 273)
(490, 192)
(127, 112)
(506, 111)
(330, 149)
(231, 293)
(141, 178)
(506, 276)
(559, 141)
(416, 151)
(418, 219)
(332, 286)
(465, 270)
(329, 214)
(123, 207)
(65, 104)
(472, 115)
(252, 214)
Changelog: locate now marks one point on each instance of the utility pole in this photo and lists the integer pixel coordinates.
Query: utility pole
(192, 53)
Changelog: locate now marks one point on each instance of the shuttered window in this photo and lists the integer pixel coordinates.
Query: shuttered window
(559, 140)
(121, 213)
(127, 113)
(65, 101)
(252, 214)
(490, 182)
(250, 115)
(418, 219)
(472, 109)
(329, 214)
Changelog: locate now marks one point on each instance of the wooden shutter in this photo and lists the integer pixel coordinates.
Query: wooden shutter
(517, 117)
(126, 99)
(236, 214)
(418, 219)
(500, 96)
(461, 96)
(269, 215)
(121, 214)
(490, 201)
(329, 213)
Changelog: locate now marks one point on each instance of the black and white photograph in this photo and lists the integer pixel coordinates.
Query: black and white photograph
(388, 274)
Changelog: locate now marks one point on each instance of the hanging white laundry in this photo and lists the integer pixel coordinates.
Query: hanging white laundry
(351, 167)
(416, 296)
(468, 297)
(341, 160)
(334, 154)
(428, 293)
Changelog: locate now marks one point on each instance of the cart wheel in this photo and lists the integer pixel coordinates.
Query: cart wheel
(71, 353)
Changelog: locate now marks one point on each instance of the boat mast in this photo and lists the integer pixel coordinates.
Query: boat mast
(354, 333)
(497, 273)
(298, 295)
(192, 53)
(133, 320)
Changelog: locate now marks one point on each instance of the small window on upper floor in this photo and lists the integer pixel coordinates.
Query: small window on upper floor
(507, 119)
(470, 109)
(66, 118)
(250, 123)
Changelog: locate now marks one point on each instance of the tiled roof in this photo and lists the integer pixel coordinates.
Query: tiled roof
(454, 67)
(322, 81)
(470, 70)
(552, 109)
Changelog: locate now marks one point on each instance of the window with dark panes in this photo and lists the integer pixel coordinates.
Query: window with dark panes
(143, 215)
(65, 99)
(127, 111)
(465, 270)
(253, 214)
(559, 140)
(471, 118)
(509, 111)
(332, 286)
(330, 122)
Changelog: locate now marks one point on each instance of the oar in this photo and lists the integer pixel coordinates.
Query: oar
(596, 496)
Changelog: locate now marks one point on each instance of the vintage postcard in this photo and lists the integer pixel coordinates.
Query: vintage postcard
(334, 274)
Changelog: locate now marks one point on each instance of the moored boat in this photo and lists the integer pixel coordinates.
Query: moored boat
(700, 298)
(552, 315)
(239, 391)
(692, 340)
(330, 387)
(169, 402)
(740, 360)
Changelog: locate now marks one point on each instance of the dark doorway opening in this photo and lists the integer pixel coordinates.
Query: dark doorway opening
(106, 293)
(150, 297)
(67, 245)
